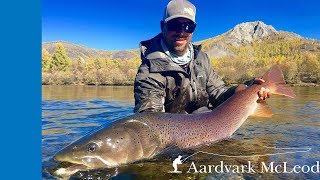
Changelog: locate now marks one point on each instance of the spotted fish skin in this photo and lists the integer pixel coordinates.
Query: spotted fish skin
(191, 130)
(144, 135)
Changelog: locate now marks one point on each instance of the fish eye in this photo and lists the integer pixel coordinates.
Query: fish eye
(91, 147)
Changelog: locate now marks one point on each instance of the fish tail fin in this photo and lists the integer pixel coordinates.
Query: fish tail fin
(275, 82)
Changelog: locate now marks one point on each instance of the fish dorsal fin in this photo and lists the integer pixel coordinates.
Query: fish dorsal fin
(262, 110)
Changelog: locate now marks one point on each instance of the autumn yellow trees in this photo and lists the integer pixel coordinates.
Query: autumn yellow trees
(298, 58)
(60, 69)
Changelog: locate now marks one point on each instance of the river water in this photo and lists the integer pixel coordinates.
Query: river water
(262, 148)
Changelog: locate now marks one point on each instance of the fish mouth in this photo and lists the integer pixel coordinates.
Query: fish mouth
(90, 162)
(69, 161)
(66, 169)
(105, 163)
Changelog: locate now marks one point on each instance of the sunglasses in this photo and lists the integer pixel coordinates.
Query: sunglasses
(177, 26)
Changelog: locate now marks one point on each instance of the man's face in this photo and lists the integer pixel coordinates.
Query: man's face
(175, 35)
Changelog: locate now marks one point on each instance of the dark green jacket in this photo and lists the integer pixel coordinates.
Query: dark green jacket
(162, 85)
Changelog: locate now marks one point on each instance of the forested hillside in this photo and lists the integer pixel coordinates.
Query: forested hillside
(241, 53)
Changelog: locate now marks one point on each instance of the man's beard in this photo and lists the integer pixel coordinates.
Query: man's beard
(180, 50)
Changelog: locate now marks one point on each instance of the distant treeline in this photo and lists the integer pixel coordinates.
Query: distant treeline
(299, 64)
(299, 60)
(59, 69)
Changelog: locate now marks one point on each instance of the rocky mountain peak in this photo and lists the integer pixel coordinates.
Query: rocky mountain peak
(246, 32)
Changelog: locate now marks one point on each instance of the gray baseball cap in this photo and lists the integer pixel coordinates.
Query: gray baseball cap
(180, 8)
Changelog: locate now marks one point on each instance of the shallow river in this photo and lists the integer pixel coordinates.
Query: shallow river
(262, 148)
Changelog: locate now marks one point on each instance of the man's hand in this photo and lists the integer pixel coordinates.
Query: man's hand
(263, 93)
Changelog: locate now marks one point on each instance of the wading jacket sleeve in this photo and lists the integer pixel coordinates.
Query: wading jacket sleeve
(162, 85)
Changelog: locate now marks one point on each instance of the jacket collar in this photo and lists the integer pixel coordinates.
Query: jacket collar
(159, 61)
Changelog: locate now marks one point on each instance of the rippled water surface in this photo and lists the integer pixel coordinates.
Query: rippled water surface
(292, 136)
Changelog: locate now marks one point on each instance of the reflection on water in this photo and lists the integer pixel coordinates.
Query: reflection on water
(87, 92)
(69, 112)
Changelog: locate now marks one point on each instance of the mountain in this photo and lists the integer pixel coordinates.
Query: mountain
(241, 35)
(245, 33)
(217, 47)
(75, 51)
(250, 47)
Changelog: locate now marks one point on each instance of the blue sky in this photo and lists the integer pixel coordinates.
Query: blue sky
(122, 24)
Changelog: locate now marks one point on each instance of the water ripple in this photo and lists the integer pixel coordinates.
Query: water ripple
(295, 123)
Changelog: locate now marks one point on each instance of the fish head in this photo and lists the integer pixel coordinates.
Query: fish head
(109, 147)
(100, 149)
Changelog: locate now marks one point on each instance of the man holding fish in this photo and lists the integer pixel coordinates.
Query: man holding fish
(176, 76)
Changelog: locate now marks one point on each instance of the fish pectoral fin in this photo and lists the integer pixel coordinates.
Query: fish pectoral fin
(263, 110)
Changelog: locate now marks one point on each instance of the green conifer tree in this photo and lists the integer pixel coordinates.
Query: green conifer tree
(46, 60)
(61, 61)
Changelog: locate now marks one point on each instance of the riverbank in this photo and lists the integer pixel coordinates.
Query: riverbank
(305, 85)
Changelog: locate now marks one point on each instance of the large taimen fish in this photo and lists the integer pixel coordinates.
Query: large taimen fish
(144, 135)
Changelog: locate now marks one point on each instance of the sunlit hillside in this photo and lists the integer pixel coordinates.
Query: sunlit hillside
(240, 54)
